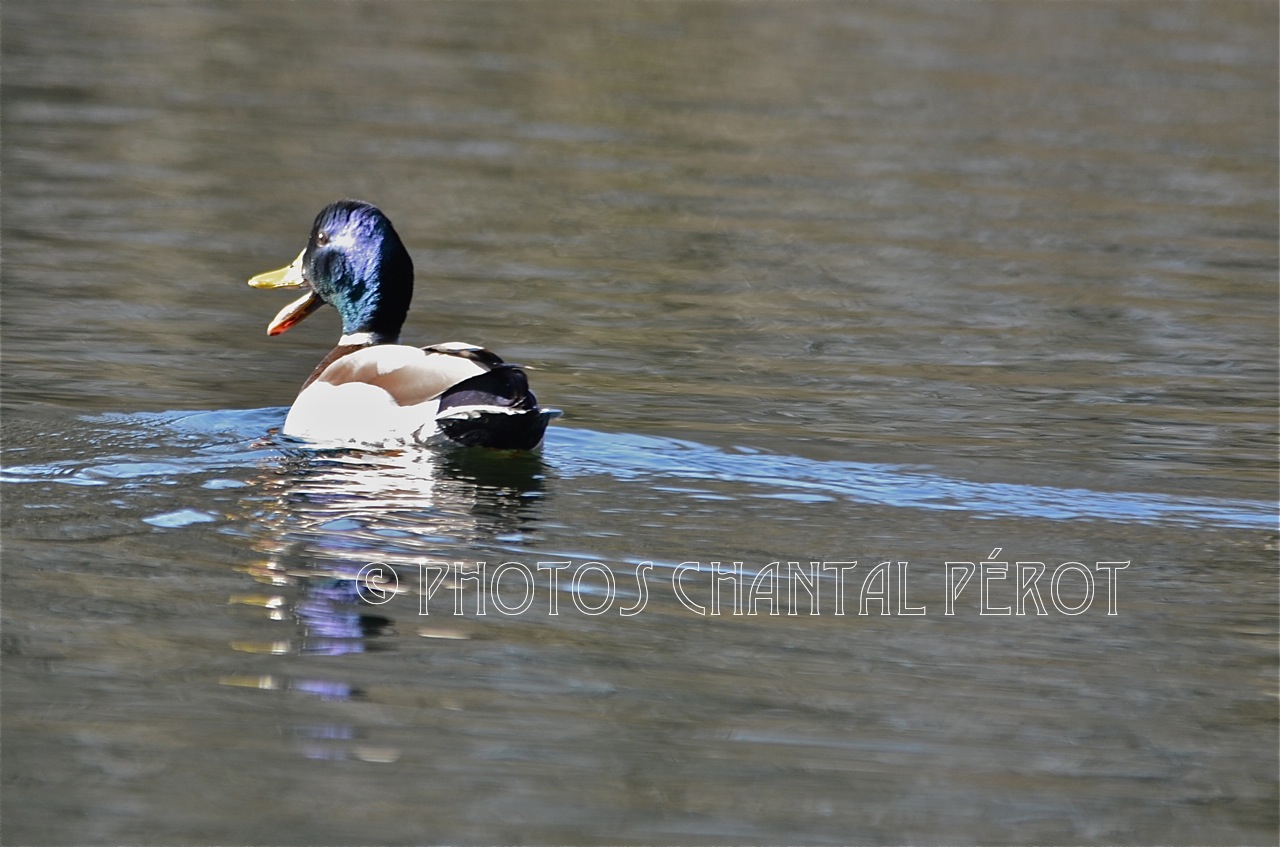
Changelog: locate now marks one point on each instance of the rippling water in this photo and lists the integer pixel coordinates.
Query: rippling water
(985, 292)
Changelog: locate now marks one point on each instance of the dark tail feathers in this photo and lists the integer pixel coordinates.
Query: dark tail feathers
(494, 409)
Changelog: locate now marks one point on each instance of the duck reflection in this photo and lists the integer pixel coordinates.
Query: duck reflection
(333, 620)
(343, 506)
(324, 517)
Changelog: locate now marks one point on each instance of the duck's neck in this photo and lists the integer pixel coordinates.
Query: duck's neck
(367, 339)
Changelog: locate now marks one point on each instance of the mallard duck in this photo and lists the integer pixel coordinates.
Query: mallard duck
(371, 389)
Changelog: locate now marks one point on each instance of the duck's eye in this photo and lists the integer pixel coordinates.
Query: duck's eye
(322, 238)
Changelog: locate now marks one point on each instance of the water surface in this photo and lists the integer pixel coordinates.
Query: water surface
(814, 283)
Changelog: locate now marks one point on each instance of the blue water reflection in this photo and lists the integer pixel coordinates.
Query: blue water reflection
(231, 441)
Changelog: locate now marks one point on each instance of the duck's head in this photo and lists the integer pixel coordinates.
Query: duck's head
(355, 262)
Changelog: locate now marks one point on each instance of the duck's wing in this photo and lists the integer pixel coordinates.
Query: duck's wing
(409, 375)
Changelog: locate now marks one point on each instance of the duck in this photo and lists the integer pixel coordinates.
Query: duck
(372, 390)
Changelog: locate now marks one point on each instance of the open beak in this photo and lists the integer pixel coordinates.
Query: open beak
(288, 277)
(294, 313)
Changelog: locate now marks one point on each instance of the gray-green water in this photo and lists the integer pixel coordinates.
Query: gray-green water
(818, 282)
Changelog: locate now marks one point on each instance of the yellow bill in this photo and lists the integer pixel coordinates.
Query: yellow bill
(286, 277)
